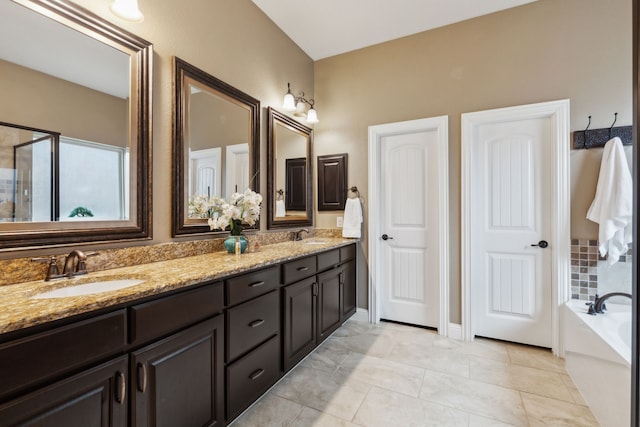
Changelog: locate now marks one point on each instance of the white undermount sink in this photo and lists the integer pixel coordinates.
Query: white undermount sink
(89, 288)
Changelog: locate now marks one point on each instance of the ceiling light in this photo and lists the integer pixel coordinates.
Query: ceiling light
(298, 105)
(127, 10)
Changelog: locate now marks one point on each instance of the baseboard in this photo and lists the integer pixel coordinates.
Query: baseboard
(455, 331)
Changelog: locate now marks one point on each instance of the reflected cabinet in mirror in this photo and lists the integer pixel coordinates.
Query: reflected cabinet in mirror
(216, 144)
(74, 127)
(289, 172)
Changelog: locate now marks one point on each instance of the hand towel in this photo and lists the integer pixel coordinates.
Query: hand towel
(612, 207)
(351, 224)
(280, 209)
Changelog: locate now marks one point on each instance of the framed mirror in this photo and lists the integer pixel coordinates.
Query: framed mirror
(289, 192)
(216, 134)
(75, 134)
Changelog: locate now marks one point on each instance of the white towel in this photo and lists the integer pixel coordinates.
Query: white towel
(352, 218)
(280, 209)
(612, 208)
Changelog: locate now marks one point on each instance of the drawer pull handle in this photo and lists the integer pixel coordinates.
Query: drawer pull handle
(122, 389)
(303, 268)
(142, 377)
(256, 284)
(255, 374)
(256, 323)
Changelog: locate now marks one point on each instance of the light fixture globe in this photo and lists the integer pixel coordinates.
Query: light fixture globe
(127, 10)
(289, 101)
(312, 116)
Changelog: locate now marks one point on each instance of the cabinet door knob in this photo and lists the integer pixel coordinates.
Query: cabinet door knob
(121, 388)
(256, 323)
(142, 377)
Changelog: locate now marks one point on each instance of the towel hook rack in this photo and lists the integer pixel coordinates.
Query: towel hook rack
(589, 124)
(354, 190)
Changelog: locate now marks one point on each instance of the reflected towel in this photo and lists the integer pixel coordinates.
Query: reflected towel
(351, 224)
(612, 208)
(280, 209)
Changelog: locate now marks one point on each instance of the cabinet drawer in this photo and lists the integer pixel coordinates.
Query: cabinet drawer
(172, 313)
(251, 323)
(300, 269)
(328, 259)
(251, 376)
(347, 253)
(251, 285)
(37, 358)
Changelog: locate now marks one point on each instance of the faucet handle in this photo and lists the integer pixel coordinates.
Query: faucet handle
(52, 271)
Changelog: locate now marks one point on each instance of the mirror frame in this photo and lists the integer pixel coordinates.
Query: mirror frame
(182, 70)
(274, 118)
(138, 227)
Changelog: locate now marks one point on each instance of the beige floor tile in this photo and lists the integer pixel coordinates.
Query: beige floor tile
(328, 357)
(476, 397)
(535, 358)
(486, 348)
(575, 393)
(544, 412)
(270, 411)
(384, 408)
(478, 421)
(522, 378)
(427, 356)
(332, 394)
(310, 417)
(383, 373)
(372, 342)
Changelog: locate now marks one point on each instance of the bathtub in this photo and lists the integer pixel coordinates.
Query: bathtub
(597, 352)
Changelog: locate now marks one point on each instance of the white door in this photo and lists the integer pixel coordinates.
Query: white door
(410, 179)
(237, 164)
(205, 172)
(511, 192)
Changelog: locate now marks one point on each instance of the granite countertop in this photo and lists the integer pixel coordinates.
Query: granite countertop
(19, 310)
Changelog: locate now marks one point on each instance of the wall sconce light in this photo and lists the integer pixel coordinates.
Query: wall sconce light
(127, 10)
(298, 105)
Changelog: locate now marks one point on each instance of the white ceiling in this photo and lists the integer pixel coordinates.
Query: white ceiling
(324, 28)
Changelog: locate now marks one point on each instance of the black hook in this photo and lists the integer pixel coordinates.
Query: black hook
(585, 134)
(615, 119)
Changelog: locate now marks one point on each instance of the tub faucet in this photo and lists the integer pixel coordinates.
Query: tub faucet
(598, 305)
(297, 235)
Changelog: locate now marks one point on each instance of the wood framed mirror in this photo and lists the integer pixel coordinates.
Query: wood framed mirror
(81, 86)
(216, 137)
(289, 173)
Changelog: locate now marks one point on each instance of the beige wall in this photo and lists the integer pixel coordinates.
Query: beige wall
(547, 50)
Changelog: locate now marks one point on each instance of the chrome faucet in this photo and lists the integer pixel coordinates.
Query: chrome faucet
(297, 235)
(598, 305)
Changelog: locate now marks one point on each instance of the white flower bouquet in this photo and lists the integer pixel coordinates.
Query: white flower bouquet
(241, 208)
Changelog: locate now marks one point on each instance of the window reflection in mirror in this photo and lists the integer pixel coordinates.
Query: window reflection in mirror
(216, 144)
(289, 172)
(85, 81)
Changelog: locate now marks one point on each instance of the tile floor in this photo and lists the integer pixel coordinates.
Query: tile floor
(395, 375)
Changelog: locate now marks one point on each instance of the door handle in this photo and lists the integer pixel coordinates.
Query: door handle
(122, 389)
(142, 377)
(542, 244)
(386, 237)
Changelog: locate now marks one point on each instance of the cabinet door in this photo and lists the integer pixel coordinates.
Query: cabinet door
(329, 307)
(299, 321)
(96, 397)
(178, 381)
(349, 285)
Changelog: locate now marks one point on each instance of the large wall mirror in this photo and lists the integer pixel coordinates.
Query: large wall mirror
(216, 144)
(75, 127)
(289, 172)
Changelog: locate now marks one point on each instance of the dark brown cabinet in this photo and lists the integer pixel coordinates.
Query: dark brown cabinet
(349, 284)
(299, 333)
(96, 397)
(329, 303)
(178, 381)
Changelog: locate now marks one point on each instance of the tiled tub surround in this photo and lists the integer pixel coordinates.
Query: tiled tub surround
(591, 275)
(18, 310)
(392, 375)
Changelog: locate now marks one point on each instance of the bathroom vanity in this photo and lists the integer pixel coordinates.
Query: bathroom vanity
(195, 344)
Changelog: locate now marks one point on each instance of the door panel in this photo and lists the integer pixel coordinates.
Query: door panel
(511, 199)
(410, 288)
